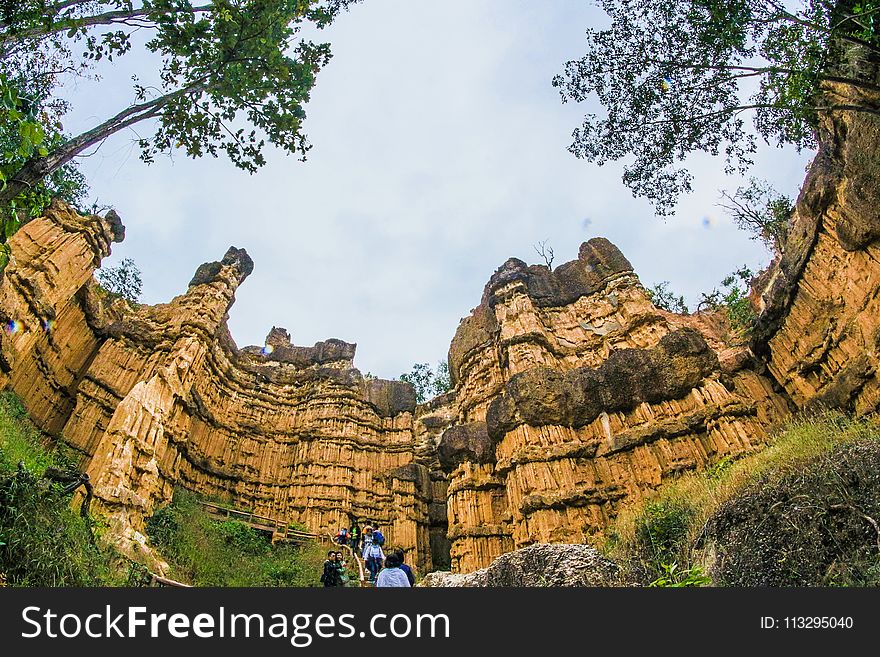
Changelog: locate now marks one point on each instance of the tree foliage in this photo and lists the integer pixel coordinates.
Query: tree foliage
(233, 76)
(665, 299)
(761, 211)
(428, 382)
(123, 280)
(733, 299)
(679, 76)
(28, 128)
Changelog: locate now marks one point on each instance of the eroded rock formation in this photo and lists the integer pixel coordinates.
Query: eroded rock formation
(819, 329)
(155, 396)
(576, 395)
(573, 394)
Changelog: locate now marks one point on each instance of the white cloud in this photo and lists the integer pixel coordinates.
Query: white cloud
(439, 152)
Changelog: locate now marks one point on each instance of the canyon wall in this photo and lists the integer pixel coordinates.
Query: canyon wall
(150, 397)
(819, 327)
(576, 395)
(573, 395)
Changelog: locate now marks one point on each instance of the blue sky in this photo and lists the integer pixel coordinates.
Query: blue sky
(439, 152)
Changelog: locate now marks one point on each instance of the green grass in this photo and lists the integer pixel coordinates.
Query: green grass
(207, 552)
(20, 440)
(43, 542)
(660, 534)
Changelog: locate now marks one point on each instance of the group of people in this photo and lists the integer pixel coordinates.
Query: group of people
(335, 573)
(384, 571)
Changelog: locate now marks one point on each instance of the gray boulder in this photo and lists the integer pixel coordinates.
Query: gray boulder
(542, 564)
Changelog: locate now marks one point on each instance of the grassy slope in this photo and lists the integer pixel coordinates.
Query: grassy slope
(208, 552)
(43, 542)
(660, 539)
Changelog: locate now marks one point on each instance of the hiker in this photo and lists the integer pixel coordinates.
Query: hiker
(399, 553)
(330, 576)
(373, 556)
(354, 535)
(378, 537)
(368, 540)
(392, 575)
(342, 536)
(343, 576)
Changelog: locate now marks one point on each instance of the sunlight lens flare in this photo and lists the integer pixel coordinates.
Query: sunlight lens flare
(13, 326)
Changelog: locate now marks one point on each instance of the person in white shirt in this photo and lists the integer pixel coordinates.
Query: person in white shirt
(368, 539)
(373, 556)
(392, 575)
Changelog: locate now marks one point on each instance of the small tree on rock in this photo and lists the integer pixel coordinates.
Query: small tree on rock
(123, 280)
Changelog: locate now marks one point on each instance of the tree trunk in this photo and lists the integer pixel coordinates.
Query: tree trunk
(37, 168)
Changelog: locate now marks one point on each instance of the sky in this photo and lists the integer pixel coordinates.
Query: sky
(439, 151)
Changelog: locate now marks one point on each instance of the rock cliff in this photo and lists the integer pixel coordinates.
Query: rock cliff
(576, 395)
(819, 328)
(572, 394)
(154, 396)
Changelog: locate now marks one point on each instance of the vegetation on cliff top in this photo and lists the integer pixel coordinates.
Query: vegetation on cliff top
(428, 382)
(802, 512)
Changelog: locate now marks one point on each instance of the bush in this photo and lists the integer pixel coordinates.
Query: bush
(816, 526)
(783, 515)
(207, 552)
(42, 541)
(661, 538)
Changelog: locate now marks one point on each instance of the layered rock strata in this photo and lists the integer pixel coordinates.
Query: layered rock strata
(573, 395)
(576, 395)
(819, 328)
(151, 397)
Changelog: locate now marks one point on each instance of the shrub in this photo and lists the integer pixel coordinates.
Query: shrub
(208, 552)
(661, 537)
(815, 526)
(42, 541)
(720, 520)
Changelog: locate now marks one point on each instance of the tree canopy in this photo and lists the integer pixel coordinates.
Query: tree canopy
(679, 76)
(428, 382)
(123, 280)
(233, 74)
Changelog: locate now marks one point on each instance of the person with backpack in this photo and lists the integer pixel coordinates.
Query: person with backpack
(392, 575)
(342, 536)
(374, 557)
(355, 535)
(368, 540)
(331, 570)
(399, 553)
(378, 537)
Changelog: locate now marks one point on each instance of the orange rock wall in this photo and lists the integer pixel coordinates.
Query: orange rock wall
(573, 395)
(819, 331)
(156, 396)
(549, 482)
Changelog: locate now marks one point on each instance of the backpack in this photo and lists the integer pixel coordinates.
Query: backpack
(378, 538)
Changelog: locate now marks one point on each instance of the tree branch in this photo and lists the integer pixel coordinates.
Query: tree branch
(107, 18)
(37, 168)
